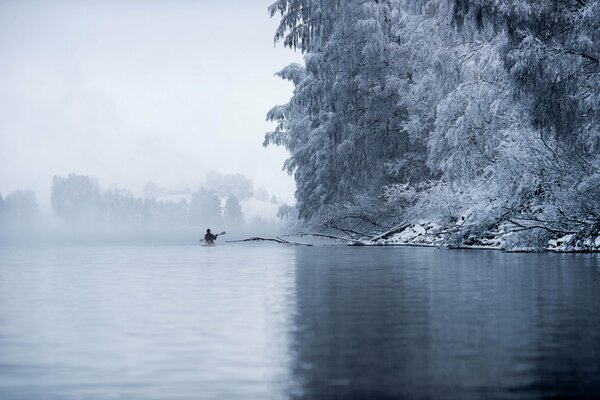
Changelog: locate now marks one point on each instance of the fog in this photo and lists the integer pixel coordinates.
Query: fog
(130, 92)
(85, 212)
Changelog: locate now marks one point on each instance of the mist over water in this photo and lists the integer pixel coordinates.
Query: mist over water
(84, 212)
(131, 91)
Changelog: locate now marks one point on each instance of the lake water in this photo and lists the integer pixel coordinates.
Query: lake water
(275, 322)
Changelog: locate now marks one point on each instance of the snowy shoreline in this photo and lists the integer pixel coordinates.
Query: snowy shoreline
(432, 235)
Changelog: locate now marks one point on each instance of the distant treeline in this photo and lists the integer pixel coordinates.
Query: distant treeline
(19, 207)
(79, 200)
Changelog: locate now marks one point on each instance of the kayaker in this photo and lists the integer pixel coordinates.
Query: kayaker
(209, 238)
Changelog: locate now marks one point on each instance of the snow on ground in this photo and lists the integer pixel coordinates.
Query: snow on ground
(430, 234)
(569, 243)
(416, 235)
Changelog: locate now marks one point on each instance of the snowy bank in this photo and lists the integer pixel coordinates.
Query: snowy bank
(427, 234)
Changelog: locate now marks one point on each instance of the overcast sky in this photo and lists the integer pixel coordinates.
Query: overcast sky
(129, 91)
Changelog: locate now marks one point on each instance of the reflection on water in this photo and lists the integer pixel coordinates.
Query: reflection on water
(424, 323)
(268, 322)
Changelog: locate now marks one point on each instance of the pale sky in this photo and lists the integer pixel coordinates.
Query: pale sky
(129, 91)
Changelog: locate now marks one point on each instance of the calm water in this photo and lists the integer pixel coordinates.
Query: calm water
(267, 322)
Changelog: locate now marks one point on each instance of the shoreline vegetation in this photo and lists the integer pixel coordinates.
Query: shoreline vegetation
(426, 234)
(432, 235)
(461, 123)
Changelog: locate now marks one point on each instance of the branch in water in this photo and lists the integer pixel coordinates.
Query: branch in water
(351, 241)
(276, 240)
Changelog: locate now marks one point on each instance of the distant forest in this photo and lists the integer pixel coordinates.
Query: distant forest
(80, 201)
(483, 115)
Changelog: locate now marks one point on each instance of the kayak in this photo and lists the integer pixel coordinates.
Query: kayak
(212, 243)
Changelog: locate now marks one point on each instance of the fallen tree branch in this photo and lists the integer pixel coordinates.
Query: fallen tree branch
(347, 231)
(527, 227)
(357, 217)
(352, 241)
(294, 243)
(276, 240)
(389, 232)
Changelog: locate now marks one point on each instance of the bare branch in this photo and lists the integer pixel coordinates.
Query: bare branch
(277, 240)
(527, 227)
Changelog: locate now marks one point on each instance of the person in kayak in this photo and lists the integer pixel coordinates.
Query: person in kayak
(209, 238)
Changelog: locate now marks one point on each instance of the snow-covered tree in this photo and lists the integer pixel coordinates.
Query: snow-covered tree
(553, 58)
(480, 111)
(345, 122)
(552, 62)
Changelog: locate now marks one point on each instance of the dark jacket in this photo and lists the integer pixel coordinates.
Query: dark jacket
(210, 238)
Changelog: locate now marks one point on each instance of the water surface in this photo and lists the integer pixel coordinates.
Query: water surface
(275, 322)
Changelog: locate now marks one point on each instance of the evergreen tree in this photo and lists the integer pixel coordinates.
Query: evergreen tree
(122, 207)
(232, 212)
(20, 207)
(77, 198)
